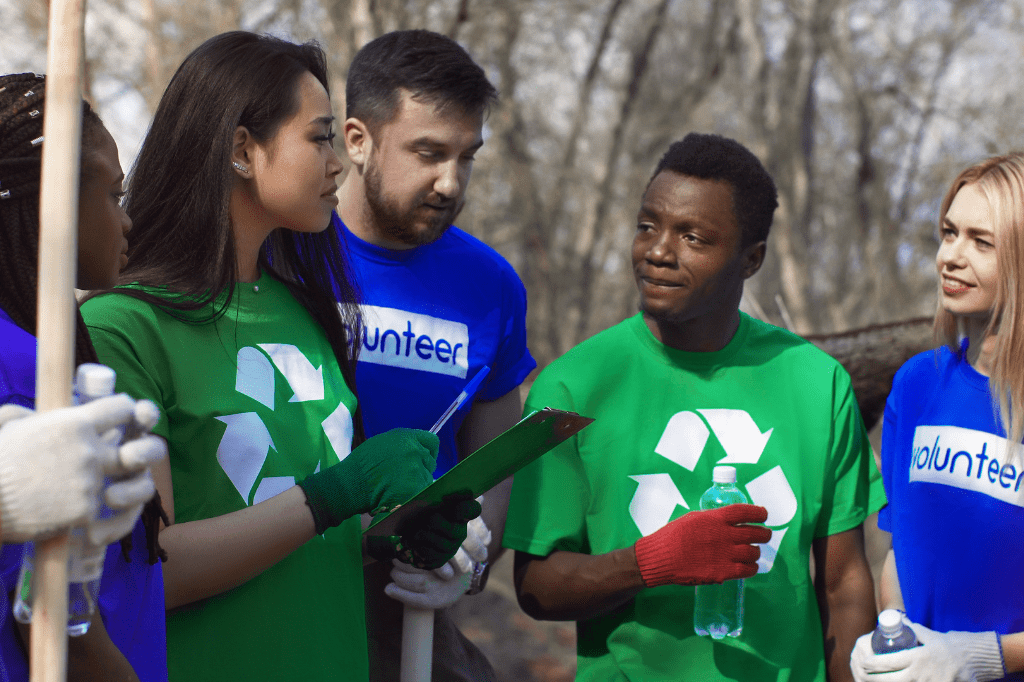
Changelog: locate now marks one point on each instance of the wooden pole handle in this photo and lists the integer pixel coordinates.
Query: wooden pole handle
(417, 644)
(58, 248)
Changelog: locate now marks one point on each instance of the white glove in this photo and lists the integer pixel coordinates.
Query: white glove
(442, 586)
(423, 589)
(129, 482)
(126, 499)
(942, 657)
(473, 549)
(52, 466)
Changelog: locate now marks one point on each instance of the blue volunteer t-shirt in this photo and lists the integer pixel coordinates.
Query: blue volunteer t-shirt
(956, 500)
(18, 386)
(17, 363)
(131, 598)
(432, 317)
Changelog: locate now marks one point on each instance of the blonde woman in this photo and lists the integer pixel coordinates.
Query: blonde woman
(951, 454)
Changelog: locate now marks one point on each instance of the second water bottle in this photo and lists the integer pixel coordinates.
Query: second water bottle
(892, 634)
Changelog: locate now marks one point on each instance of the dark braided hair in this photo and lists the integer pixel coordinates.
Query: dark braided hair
(21, 122)
(21, 129)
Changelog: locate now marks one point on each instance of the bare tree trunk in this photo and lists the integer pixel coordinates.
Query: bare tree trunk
(461, 17)
(511, 134)
(789, 139)
(566, 172)
(364, 26)
(583, 258)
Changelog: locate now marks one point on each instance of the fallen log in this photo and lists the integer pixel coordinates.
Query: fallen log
(872, 355)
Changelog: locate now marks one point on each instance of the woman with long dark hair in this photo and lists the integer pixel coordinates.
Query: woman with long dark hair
(228, 319)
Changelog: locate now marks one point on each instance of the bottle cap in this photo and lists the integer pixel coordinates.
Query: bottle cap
(890, 621)
(724, 474)
(94, 380)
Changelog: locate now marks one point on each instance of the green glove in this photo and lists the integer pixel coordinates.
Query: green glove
(384, 471)
(432, 537)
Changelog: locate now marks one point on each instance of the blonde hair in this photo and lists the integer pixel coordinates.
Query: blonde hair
(1001, 180)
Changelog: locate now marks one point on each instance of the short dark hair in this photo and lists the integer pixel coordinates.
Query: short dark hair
(433, 67)
(713, 157)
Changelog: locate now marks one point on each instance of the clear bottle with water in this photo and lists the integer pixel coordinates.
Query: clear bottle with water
(718, 609)
(892, 634)
(85, 560)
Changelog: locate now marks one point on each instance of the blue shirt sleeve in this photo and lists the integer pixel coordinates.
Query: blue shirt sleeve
(17, 364)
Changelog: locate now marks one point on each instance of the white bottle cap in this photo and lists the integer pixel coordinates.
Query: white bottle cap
(724, 474)
(890, 621)
(94, 380)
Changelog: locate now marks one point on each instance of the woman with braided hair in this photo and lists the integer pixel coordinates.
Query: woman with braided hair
(130, 633)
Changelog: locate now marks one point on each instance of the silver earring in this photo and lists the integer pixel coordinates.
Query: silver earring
(239, 167)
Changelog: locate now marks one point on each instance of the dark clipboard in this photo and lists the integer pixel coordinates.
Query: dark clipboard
(534, 435)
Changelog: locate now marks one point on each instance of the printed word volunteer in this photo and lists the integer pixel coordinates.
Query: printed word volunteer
(966, 459)
(398, 338)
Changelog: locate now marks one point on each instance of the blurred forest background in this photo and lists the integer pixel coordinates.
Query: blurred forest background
(862, 110)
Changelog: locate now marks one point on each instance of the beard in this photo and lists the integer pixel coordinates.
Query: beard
(399, 224)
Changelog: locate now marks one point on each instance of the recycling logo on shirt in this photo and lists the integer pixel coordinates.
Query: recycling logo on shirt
(247, 442)
(682, 443)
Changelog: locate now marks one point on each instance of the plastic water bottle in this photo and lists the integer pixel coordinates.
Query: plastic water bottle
(892, 634)
(718, 609)
(85, 560)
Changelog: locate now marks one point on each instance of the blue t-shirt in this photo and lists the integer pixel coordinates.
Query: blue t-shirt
(131, 595)
(17, 363)
(433, 316)
(956, 501)
(17, 385)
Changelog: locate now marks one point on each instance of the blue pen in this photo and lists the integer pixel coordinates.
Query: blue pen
(467, 393)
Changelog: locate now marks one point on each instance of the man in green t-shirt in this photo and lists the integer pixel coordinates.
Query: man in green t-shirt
(605, 526)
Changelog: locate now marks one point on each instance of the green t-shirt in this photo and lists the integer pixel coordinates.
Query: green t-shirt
(769, 403)
(249, 404)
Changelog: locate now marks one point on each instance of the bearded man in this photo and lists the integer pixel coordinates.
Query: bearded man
(438, 304)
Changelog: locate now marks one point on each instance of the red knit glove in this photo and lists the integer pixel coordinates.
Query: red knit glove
(703, 547)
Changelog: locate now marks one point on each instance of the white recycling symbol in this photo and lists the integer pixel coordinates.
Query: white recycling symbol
(247, 442)
(683, 441)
